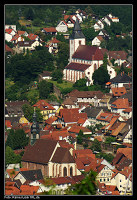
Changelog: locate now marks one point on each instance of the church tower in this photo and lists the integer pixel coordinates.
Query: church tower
(77, 38)
(34, 129)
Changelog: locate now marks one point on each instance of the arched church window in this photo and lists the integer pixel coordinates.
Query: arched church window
(65, 171)
(71, 171)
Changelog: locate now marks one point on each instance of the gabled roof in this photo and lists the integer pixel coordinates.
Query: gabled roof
(40, 152)
(77, 66)
(76, 129)
(31, 36)
(43, 105)
(92, 111)
(21, 32)
(8, 30)
(118, 91)
(32, 175)
(117, 55)
(8, 49)
(120, 103)
(15, 37)
(50, 29)
(71, 115)
(62, 155)
(86, 52)
(126, 151)
(121, 78)
(51, 120)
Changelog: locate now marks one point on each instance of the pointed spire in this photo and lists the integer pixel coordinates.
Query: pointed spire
(77, 33)
(77, 26)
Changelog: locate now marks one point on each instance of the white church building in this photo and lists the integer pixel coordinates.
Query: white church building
(83, 60)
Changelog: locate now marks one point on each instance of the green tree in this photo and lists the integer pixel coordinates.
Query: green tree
(29, 14)
(57, 75)
(11, 157)
(63, 55)
(17, 139)
(79, 137)
(81, 84)
(45, 88)
(28, 111)
(96, 146)
(88, 185)
(100, 76)
(110, 139)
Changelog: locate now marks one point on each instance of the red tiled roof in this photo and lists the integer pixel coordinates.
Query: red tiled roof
(50, 29)
(106, 116)
(43, 105)
(77, 66)
(76, 129)
(118, 55)
(21, 32)
(31, 36)
(120, 103)
(8, 123)
(71, 115)
(118, 91)
(8, 49)
(126, 151)
(100, 38)
(83, 153)
(28, 189)
(54, 40)
(8, 30)
(15, 37)
(51, 120)
(86, 52)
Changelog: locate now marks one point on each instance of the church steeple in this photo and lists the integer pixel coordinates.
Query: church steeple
(77, 38)
(34, 128)
(77, 33)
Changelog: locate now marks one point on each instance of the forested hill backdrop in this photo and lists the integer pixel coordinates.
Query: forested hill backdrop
(49, 15)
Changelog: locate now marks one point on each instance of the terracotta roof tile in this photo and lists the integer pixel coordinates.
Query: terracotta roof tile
(43, 105)
(88, 53)
(118, 91)
(50, 29)
(120, 103)
(77, 66)
(126, 151)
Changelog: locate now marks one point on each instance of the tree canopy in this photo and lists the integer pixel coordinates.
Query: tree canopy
(45, 88)
(88, 185)
(17, 139)
(28, 113)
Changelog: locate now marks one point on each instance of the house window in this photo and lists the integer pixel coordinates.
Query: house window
(88, 72)
(101, 180)
(104, 179)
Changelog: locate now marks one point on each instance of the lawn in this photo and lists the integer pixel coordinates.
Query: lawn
(63, 85)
